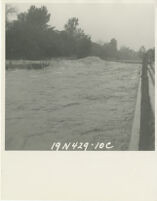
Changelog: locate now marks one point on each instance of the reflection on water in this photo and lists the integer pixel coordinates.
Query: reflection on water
(86, 100)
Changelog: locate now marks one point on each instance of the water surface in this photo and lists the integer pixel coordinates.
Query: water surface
(86, 100)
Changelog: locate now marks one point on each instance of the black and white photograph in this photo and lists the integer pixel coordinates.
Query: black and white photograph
(79, 77)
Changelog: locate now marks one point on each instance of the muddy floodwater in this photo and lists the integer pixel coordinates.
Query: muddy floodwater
(85, 100)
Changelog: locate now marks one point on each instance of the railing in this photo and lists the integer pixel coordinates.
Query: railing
(147, 125)
(143, 130)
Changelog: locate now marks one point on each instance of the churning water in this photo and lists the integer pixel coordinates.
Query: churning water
(85, 100)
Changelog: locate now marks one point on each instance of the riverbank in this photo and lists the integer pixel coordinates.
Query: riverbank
(41, 64)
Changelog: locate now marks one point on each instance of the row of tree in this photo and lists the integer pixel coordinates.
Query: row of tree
(30, 37)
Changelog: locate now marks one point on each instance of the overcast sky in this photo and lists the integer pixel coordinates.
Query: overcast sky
(131, 24)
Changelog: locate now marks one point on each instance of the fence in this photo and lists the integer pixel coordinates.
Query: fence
(143, 131)
(147, 123)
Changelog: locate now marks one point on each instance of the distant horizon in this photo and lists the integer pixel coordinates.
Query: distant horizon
(132, 25)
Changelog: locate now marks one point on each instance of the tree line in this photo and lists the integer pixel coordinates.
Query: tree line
(31, 37)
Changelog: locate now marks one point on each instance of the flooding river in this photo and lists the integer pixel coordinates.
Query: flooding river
(85, 100)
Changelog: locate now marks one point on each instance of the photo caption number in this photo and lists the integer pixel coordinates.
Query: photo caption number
(80, 146)
(74, 145)
(55, 146)
(103, 145)
(86, 146)
(83, 146)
